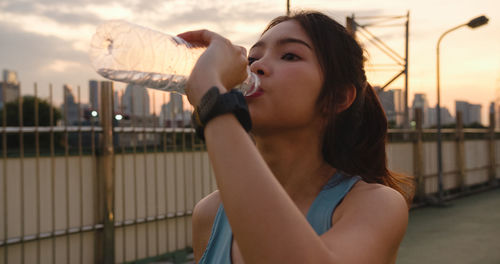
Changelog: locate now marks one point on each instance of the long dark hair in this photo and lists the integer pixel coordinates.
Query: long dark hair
(354, 139)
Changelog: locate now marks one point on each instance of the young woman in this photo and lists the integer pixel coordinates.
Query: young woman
(312, 185)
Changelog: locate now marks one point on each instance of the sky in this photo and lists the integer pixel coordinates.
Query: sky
(47, 41)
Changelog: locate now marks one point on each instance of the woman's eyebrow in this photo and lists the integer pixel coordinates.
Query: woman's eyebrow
(292, 40)
(282, 42)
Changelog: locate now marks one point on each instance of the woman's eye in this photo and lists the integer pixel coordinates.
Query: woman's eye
(251, 60)
(290, 57)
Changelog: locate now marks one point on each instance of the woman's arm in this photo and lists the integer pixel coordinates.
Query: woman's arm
(266, 223)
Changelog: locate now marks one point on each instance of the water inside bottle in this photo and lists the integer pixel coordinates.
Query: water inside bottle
(159, 81)
(164, 82)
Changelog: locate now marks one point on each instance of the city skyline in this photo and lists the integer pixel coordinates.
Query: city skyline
(56, 50)
(136, 101)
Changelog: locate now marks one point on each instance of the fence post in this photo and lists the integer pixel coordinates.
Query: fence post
(460, 153)
(106, 243)
(418, 163)
(492, 146)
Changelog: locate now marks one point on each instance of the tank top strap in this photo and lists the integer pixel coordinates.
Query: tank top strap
(221, 238)
(321, 211)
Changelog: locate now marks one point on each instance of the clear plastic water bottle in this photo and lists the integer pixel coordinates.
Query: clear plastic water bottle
(125, 52)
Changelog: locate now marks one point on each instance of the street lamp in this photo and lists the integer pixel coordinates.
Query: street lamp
(474, 23)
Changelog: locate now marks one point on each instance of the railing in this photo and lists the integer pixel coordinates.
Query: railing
(111, 194)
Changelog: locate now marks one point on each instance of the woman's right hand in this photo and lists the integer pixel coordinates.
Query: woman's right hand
(222, 64)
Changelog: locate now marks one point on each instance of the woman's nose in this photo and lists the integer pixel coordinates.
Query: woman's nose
(259, 67)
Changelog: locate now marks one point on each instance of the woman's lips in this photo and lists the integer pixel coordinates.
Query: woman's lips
(257, 93)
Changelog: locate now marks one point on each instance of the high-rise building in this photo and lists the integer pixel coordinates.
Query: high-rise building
(9, 87)
(94, 98)
(497, 103)
(475, 113)
(471, 113)
(446, 117)
(492, 111)
(10, 76)
(69, 107)
(135, 101)
(420, 101)
(116, 102)
(171, 114)
(393, 103)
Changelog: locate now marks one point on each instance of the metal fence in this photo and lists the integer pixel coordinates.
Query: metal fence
(99, 190)
(111, 192)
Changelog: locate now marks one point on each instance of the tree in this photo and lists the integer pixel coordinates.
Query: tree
(28, 111)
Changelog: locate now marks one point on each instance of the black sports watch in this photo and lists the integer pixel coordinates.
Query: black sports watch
(213, 104)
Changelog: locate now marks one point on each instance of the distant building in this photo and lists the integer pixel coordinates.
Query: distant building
(471, 113)
(187, 118)
(116, 102)
(171, 114)
(446, 117)
(492, 111)
(69, 107)
(497, 104)
(135, 101)
(94, 98)
(10, 76)
(420, 101)
(9, 86)
(393, 103)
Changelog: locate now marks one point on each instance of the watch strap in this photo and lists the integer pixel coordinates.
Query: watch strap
(214, 104)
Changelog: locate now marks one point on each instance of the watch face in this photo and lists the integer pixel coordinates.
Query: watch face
(207, 103)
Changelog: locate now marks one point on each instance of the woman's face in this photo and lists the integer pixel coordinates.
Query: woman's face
(291, 80)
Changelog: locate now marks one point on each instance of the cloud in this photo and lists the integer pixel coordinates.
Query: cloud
(57, 11)
(20, 46)
(39, 58)
(52, 3)
(20, 7)
(68, 17)
(62, 65)
(222, 15)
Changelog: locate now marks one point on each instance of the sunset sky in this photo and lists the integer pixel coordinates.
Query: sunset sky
(47, 41)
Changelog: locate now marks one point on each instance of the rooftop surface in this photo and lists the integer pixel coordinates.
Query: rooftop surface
(464, 232)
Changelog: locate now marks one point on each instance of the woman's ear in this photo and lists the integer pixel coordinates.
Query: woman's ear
(350, 96)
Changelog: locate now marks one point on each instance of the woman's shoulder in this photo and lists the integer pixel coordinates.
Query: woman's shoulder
(367, 198)
(363, 188)
(204, 214)
(208, 205)
(373, 219)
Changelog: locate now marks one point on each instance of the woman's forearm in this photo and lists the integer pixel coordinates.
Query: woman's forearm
(265, 222)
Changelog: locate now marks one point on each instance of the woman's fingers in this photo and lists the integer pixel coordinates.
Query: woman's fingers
(222, 64)
(242, 49)
(201, 37)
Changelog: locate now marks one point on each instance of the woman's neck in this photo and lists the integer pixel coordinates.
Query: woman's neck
(296, 161)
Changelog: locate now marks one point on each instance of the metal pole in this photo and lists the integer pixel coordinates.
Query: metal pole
(107, 172)
(492, 156)
(439, 151)
(351, 25)
(438, 112)
(287, 7)
(406, 121)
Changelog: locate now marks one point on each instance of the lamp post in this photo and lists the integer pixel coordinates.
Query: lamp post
(476, 22)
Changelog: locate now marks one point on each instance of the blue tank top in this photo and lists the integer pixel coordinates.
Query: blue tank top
(319, 216)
